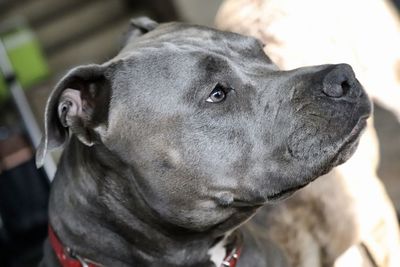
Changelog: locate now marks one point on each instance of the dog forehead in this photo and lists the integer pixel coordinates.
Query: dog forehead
(191, 38)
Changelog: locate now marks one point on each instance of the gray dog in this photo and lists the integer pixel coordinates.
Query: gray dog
(171, 146)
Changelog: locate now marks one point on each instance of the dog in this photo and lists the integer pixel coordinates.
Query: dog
(171, 147)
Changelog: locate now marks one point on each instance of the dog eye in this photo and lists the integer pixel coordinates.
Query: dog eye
(217, 95)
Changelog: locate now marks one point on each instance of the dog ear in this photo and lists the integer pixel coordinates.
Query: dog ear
(138, 27)
(78, 104)
(143, 24)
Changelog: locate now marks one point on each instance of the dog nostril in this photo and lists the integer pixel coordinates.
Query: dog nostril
(345, 87)
(335, 90)
(339, 80)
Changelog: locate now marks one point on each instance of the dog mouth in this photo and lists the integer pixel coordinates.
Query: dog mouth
(284, 194)
(241, 203)
(257, 202)
(350, 143)
(345, 151)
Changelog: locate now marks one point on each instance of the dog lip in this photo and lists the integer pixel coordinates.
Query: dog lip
(254, 202)
(356, 131)
(273, 197)
(285, 193)
(348, 146)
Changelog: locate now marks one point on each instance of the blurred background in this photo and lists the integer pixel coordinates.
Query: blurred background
(39, 41)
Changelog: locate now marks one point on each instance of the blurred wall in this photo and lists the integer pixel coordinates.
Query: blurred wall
(75, 32)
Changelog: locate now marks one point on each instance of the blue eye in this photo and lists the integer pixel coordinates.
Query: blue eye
(217, 95)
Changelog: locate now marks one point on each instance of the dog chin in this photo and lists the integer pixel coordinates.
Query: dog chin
(350, 144)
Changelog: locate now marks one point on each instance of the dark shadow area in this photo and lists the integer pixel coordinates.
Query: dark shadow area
(23, 206)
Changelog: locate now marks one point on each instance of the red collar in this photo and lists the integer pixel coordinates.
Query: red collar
(69, 258)
(66, 256)
(234, 249)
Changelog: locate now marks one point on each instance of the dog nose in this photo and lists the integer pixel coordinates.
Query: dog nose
(339, 81)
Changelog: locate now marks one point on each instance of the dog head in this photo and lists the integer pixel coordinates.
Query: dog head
(211, 127)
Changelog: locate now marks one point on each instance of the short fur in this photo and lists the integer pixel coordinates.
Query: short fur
(153, 174)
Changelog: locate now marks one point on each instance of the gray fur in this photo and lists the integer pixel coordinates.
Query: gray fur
(152, 174)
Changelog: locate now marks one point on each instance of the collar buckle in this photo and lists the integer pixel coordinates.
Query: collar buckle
(73, 255)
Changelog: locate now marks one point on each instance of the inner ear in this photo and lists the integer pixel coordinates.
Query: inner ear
(83, 107)
(69, 106)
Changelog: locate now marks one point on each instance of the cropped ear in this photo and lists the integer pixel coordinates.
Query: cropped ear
(138, 27)
(78, 104)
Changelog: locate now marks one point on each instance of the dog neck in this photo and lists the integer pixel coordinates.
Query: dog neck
(97, 212)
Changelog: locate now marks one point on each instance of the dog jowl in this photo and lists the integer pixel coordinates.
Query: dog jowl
(177, 141)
